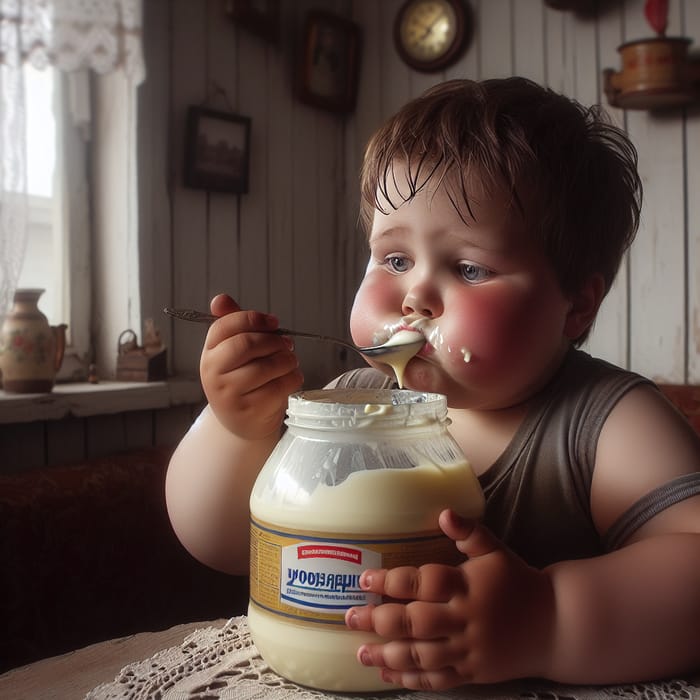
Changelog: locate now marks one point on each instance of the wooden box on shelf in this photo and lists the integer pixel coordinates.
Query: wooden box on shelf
(141, 363)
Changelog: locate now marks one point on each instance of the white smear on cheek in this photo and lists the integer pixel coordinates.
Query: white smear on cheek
(437, 340)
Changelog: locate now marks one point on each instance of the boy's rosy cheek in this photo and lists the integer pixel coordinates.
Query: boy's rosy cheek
(374, 304)
(489, 326)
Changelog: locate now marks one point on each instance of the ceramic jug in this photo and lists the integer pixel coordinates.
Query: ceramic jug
(31, 350)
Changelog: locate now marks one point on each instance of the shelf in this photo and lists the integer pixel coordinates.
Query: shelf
(84, 399)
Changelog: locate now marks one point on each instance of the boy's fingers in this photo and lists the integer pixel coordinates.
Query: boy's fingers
(436, 583)
(471, 538)
(233, 324)
(417, 620)
(223, 304)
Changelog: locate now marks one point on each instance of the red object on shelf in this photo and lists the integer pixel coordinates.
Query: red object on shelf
(656, 12)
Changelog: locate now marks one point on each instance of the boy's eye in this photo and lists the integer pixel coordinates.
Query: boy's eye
(397, 263)
(473, 273)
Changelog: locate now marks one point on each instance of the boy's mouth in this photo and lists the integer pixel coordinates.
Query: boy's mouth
(403, 324)
(434, 339)
(413, 324)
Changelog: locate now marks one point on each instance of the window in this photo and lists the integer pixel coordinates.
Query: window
(57, 245)
(82, 208)
(43, 239)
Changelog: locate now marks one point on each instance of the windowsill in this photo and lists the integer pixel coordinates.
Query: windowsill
(83, 399)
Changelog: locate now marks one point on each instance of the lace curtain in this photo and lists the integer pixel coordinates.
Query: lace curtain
(102, 35)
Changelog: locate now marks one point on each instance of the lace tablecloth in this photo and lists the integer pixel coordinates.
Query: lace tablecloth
(223, 663)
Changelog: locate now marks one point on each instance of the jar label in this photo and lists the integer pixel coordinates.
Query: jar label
(315, 576)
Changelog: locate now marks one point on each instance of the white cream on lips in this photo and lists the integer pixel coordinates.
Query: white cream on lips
(403, 333)
(405, 342)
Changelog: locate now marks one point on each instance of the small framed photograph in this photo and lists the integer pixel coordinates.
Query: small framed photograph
(330, 62)
(217, 150)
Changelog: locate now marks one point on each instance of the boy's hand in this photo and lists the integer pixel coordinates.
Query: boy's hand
(247, 372)
(487, 620)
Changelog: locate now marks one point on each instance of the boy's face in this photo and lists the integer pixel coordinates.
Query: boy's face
(487, 301)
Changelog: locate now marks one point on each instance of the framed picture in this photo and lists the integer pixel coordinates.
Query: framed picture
(329, 62)
(217, 150)
(260, 17)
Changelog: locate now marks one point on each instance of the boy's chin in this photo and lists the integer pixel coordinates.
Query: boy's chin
(426, 376)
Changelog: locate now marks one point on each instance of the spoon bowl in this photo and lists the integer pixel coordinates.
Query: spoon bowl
(412, 345)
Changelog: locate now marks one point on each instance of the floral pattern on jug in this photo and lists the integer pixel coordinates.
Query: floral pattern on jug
(31, 350)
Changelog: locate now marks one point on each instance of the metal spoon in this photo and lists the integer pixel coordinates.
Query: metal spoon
(370, 351)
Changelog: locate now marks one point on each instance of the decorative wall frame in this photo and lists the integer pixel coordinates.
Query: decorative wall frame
(217, 150)
(330, 62)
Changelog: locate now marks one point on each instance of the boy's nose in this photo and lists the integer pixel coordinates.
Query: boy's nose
(422, 299)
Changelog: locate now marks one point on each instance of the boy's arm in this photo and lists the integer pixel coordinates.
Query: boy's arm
(247, 374)
(629, 615)
(207, 490)
(636, 611)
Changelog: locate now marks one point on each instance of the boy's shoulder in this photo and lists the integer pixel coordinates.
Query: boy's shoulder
(363, 378)
(579, 369)
(586, 389)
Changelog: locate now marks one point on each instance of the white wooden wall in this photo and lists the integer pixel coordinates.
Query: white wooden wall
(276, 248)
(650, 322)
(291, 244)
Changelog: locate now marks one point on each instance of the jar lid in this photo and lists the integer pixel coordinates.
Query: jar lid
(334, 409)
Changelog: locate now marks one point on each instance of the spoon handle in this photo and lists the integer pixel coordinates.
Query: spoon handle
(202, 317)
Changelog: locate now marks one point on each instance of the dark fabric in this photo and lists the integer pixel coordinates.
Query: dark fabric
(538, 490)
(363, 378)
(678, 489)
(88, 554)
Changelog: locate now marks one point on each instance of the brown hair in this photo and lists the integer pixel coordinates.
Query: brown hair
(569, 170)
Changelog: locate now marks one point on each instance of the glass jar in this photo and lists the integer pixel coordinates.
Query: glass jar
(357, 481)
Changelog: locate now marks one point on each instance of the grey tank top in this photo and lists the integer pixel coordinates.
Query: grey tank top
(538, 491)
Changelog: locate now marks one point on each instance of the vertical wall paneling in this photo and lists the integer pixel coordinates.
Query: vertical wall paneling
(306, 167)
(252, 101)
(609, 336)
(66, 440)
(188, 87)
(155, 162)
(528, 39)
(292, 244)
(467, 65)
(395, 75)
(692, 188)
(584, 59)
(279, 169)
(305, 261)
(222, 232)
(22, 446)
(138, 429)
(105, 434)
(358, 130)
(169, 426)
(330, 273)
(554, 49)
(657, 257)
(114, 248)
(496, 49)
(74, 439)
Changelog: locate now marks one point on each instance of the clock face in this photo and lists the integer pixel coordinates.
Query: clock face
(429, 34)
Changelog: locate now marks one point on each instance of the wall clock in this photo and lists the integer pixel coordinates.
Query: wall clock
(431, 34)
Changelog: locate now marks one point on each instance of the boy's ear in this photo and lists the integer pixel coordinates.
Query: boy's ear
(584, 307)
